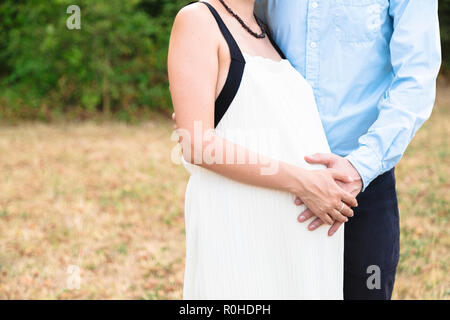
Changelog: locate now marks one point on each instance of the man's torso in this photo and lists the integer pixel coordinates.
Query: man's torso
(341, 47)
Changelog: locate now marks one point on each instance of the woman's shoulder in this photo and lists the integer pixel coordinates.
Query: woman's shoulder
(194, 35)
(195, 17)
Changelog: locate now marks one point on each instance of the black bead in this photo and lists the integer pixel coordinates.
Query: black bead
(244, 25)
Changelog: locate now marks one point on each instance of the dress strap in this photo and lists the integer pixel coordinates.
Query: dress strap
(235, 71)
(235, 51)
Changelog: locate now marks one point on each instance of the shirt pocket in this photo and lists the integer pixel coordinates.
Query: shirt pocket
(358, 21)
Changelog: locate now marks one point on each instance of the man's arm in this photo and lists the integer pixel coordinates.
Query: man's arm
(408, 102)
(415, 57)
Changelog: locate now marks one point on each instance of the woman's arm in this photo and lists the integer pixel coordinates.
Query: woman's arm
(193, 72)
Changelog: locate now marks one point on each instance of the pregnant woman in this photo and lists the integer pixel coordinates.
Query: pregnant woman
(247, 119)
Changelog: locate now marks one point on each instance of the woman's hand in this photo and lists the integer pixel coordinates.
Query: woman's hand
(319, 191)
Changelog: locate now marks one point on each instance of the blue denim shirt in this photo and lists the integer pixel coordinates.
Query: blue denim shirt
(372, 65)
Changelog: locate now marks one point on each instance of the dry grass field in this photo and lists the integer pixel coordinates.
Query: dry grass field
(105, 200)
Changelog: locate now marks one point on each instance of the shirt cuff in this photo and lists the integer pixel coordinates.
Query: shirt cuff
(367, 163)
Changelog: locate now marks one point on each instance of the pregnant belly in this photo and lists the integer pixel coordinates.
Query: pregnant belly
(244, 221)
(217, 203)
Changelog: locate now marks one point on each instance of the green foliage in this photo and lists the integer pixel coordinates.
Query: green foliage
(444, 18)
(115, 64)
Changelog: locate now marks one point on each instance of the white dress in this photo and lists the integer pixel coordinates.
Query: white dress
(242, 241)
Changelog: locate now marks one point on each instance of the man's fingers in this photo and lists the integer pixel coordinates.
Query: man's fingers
(338, 216)
(305, 215)
(298, 201)
(349, 199)
(175, 127)
(334, 228)
(315, 224)
(326, 219)
(337, 175)
(322, 158)
(346, 211)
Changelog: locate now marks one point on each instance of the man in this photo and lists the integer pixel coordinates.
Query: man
(372, 65)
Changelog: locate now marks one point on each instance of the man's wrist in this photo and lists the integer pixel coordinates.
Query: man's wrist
(366, 163)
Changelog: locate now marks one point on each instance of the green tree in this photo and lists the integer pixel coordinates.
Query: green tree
(444, 18)
(116, 62)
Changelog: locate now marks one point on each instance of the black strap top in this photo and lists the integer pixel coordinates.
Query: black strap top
(236, 70)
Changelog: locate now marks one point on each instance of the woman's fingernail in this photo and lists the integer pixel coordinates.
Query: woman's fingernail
(302, 218)
(297, 201)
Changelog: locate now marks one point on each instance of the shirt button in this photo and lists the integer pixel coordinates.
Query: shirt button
(314, 5)
(313, 44)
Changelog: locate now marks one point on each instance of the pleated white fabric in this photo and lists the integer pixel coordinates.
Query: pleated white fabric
(244, 242)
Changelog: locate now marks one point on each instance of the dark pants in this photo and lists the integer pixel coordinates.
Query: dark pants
(372, 242)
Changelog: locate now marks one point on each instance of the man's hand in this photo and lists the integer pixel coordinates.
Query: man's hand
(175, 127)
(323, 196)
(344, 166)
